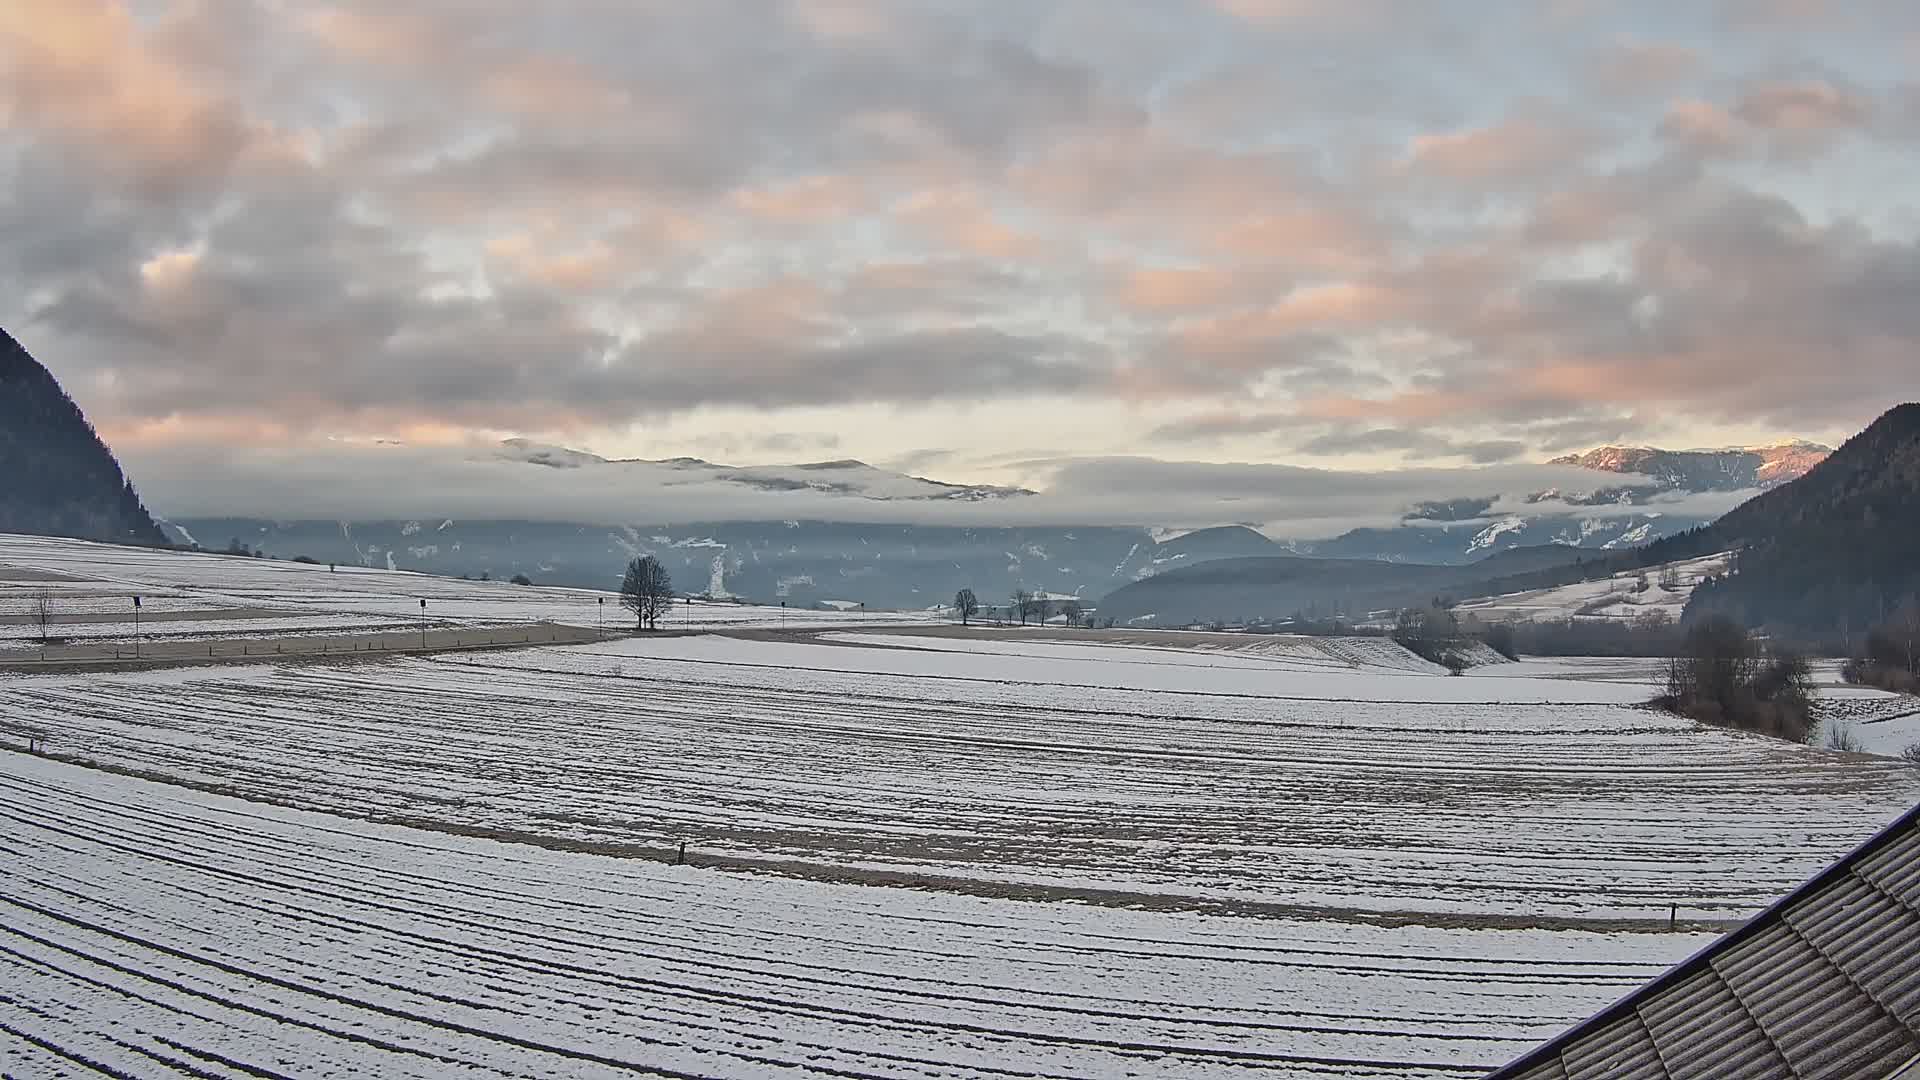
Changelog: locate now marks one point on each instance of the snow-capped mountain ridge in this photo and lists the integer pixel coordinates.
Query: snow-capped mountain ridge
(846, 476)
(1731, 469)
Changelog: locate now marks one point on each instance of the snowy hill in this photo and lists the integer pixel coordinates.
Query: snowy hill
(1621, 597)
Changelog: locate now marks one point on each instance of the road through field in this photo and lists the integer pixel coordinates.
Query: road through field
(166, 652)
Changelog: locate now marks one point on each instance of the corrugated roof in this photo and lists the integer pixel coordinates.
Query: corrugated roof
(1825, 984)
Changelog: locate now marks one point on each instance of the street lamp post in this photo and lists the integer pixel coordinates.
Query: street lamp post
(423, 623)
(603, 615)
(136, 627)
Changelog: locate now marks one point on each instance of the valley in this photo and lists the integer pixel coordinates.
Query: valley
(876, 848)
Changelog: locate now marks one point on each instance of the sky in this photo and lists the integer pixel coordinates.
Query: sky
(1004, 241)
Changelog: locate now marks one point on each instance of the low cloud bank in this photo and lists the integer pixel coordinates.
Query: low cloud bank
(385, 481)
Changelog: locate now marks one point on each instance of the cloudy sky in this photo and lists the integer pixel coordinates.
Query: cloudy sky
(977, 239)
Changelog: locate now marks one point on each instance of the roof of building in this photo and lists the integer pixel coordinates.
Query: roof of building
(1825, 983)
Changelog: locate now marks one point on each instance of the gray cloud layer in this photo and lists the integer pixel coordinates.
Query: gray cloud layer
(477, 483)
(232, 220)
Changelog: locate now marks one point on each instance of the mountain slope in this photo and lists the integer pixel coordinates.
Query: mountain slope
(56, 477)
(802, 562)
(1271, 587)
(1833, 552)
(1279, 586)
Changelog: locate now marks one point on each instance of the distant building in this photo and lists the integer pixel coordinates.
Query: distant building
(1826, 983)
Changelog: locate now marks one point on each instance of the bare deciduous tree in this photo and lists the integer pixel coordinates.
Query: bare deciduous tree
(42, 612)
(1022, 604)
(646, 591)
(966, 605)
(1042, 608)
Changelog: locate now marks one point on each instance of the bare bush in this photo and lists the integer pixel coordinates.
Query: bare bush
(1500, 637)
(1429, 632)
(1892, 657)
(1721, 678)
(1841, 737)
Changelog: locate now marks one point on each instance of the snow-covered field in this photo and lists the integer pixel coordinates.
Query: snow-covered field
(157, 931)
(1618, 598)
(1875, 721)
(106, 577)
(916, 853)
(27, 635)
(1372, 792)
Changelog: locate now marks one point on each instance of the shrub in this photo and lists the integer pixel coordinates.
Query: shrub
(1842, 738)
(1720, 678)
(1428, 632)
(522, 579)
(1501, 638)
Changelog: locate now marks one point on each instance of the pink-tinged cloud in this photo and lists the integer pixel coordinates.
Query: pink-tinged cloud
(1522, 147)
(809, 200)
(445, 213)
(1701, 127)
(1812, 107)
(88, 75)
(961, 220)
(1162, 290)
(1308, 14)
(1636, 68)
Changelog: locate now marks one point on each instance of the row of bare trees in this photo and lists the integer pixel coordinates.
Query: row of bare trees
(1023, 605)
(1723, 675)
(1891, 659)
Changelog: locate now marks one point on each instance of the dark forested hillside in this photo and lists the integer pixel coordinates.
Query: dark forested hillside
(56, 477)
(1834, 552)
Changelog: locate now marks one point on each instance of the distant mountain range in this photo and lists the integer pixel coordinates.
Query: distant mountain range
(1275, 588)
(812, 562)
(1832, 554)
(1461, 530)
(856, 479)
(1822, 555)
(1737, 469)
(1827, 548)
(56, 477)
